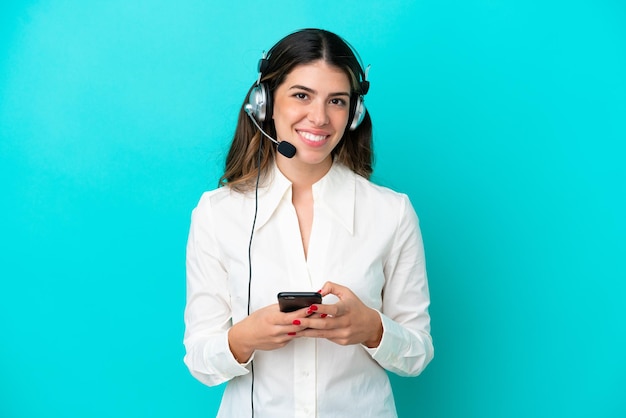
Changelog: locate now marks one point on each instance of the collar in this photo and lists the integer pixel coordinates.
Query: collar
(334, 193)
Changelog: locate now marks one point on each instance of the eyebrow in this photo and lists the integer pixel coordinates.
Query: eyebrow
(310, 90)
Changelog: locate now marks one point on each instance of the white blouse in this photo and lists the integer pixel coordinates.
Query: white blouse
(365, 237)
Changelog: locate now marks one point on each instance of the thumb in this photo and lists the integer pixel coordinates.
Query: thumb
(331, 288)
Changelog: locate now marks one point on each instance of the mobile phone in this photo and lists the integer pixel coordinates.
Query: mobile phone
(292, 301)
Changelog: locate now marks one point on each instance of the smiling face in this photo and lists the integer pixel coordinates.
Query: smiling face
(311, 110)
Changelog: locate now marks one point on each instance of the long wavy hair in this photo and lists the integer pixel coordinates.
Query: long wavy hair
(299, 48)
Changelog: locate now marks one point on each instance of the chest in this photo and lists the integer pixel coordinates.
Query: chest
(355, 259)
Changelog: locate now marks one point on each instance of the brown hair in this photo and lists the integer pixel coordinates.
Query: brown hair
(302, 47)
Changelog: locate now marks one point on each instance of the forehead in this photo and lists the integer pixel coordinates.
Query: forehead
(318, 72)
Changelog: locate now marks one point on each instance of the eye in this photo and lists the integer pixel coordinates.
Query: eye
(338, 102)
(300, 95)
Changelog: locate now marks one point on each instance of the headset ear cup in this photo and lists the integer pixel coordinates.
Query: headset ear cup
(359, 114)
(259, 101)
(269, 106)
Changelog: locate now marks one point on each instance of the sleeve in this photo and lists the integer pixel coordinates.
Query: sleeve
(208, 312)
(406, 347)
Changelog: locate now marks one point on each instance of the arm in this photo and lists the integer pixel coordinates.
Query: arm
(406, 346)
(208, 311)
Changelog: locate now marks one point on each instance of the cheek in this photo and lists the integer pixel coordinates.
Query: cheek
(340, 122)
(284, 115)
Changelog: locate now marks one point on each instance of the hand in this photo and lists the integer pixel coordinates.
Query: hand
(348, 321)
(265, 329)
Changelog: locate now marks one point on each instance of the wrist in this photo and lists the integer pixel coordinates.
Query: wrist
(237, 344)
(377, 331)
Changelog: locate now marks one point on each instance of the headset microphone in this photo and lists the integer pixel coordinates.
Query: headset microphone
(285, 148)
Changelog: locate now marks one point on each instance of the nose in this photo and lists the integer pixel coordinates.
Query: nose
(318, 114)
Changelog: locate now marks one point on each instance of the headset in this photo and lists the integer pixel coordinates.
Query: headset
(259, 105)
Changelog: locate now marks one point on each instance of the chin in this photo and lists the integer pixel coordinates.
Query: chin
(313, 158)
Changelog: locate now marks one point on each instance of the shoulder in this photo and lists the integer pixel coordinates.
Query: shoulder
(220, 202)
(221, 217)
(222, 196)
(380, 197)
(383, 213)
(371, 198)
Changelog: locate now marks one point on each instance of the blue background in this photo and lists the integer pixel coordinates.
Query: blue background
(504, 121)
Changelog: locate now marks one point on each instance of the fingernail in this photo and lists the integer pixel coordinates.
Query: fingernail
(323, 315)
(319, 291)
(291, 333)
(313, 308)
(309, 312)
(296, 322)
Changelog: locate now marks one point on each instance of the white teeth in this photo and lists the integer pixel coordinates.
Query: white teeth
(311, 137)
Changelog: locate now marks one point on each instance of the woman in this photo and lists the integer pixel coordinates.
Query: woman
(305, 222)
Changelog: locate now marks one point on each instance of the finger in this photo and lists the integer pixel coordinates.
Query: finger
(336, 289)
(323, 290)
(323, 323)
(299, 314)
(328, 288)
(310, 321)
(320, 323)
(312, 309)
(325, 310)
(296, 326)
(288, 331)
(329, 334)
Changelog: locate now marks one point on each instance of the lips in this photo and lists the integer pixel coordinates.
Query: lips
(312, 138)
